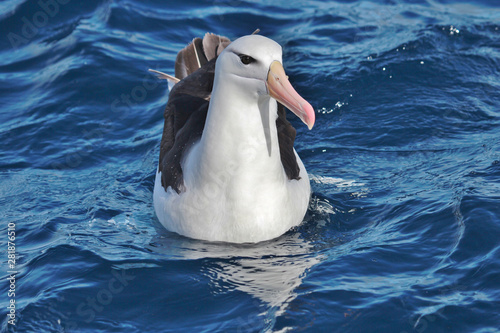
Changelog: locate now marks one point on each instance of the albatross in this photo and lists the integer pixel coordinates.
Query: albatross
(228, 170)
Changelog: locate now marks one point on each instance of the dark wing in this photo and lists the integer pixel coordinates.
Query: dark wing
(186, 111)
(187, 106)
(185, 117)
(286, 138)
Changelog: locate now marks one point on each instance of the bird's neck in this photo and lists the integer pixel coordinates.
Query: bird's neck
(240, 141)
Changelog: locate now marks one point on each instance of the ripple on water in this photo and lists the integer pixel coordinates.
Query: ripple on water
(402, 230)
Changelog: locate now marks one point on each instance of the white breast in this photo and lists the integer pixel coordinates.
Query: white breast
(220, 211)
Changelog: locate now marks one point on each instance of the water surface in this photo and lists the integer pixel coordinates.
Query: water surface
(403, 230)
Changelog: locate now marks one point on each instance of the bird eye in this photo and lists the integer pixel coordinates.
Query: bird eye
(246, 59)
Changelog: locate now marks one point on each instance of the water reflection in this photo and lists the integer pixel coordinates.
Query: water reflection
(269, 271)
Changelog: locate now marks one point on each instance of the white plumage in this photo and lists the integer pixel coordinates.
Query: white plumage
(235, 187)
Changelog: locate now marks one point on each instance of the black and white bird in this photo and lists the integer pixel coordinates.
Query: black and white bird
(228, 170)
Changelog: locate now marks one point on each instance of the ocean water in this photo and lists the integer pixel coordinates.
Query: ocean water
(403, 230)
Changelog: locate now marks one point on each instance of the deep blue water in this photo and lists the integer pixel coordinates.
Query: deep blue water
(403, 231)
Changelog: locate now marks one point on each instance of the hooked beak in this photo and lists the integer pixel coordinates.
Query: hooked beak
(281, 90)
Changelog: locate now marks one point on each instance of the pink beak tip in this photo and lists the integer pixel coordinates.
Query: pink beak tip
(309, 115)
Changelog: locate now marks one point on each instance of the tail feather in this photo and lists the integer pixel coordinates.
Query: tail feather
(213, 45)
(198, 53)
(189, 59)
(164, 76)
